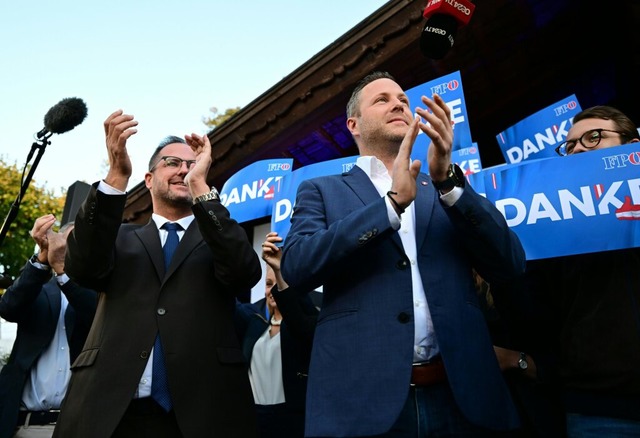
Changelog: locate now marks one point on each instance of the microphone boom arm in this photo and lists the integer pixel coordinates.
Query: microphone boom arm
(40, 146)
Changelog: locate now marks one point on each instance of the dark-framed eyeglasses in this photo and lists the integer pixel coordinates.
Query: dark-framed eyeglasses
(589, 140)
(173, 163)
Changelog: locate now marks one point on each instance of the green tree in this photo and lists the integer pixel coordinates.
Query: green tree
(18, 245)
(216, 119)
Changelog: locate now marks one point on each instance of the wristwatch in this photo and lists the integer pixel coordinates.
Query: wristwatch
(522, 362)
(213, 195)
(455, 178)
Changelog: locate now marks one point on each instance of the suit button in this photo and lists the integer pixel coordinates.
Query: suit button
(404, 317)
(402, 264)
(144, 355)
(161, 311)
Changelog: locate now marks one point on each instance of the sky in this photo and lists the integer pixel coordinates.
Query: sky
(165, 62)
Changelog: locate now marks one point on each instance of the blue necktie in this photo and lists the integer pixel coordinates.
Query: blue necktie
(159, 381)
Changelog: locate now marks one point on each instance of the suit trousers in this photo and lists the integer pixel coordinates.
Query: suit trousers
(431, 412)
(145, 418)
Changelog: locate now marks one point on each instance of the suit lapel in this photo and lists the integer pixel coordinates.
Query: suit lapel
(425, 199)
(150, 239)
(362, 186)
(189, 241)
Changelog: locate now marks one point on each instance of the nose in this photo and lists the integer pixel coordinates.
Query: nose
(578, 149)
(184, 168)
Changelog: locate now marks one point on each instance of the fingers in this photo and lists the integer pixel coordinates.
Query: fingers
(118, 127)
(41, 226)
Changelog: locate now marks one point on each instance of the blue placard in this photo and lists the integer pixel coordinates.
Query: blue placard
(537, 136)
(448, 87)
(250, 192)
(577, 204)
(286, 196)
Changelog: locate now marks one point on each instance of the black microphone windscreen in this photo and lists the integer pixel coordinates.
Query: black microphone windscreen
(65, 115)
(438, 35)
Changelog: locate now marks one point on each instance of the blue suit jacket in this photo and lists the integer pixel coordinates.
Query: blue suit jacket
(360, 368)
(33, 301)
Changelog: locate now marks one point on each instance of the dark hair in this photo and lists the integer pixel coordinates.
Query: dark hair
(623, 123)
(169, 139)
(353, 106)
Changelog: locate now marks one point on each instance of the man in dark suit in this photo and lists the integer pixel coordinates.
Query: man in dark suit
(401, 346)
(160, 312)
(54, 315)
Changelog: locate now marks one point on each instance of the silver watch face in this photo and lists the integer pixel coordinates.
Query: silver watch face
(522, 363)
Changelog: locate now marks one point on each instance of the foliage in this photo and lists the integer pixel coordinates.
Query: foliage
(18, 245)
(217, 119)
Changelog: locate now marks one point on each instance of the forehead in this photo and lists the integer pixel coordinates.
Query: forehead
(381, 86)
(179, 150)
(585, 125)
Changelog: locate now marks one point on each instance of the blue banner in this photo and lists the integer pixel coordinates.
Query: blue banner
(537, 136)
(571, 205)
(285, 198)
(249, 193)
(448, 87)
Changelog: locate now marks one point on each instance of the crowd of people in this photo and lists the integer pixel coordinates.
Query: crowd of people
(432, 322)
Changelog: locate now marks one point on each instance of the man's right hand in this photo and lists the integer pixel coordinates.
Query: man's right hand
(118, 128)
(39, 233)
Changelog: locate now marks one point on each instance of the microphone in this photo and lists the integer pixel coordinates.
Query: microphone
(443, 18)
(63, 117)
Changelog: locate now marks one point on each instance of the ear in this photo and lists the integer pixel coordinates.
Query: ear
(148, 180)
(352, 126)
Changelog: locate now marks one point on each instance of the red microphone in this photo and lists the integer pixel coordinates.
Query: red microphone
(461, 10)
(443, 18)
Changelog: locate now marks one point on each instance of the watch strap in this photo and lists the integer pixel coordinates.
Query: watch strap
(212, 195)
(455, 178)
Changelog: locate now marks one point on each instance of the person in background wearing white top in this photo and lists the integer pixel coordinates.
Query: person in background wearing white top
(277, 344)
(53, 315)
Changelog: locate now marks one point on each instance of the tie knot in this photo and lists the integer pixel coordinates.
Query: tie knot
(172, 226)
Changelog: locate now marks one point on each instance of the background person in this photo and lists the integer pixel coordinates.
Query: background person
(278, 349)
(53, 315)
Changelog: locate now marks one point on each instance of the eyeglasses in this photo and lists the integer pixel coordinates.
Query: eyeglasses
(173, 163)
(589, 140)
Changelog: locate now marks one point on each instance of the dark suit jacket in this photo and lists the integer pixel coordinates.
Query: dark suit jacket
(191, 305)
(33, 302)
(360, 369)
(296, 338)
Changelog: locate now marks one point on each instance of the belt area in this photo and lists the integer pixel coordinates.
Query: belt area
(428, 373)
(37, 418)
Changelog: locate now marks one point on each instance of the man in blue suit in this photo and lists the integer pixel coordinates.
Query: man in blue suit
(401, 346)
(54, 315)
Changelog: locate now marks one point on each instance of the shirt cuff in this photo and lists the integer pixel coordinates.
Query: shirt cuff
(452, 197)
(394, 217)
(62, 279)
(109, 190)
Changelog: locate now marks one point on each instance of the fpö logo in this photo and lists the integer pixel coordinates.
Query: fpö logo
(621, 160)
(445, 87)
(565, 108)
(274, 167)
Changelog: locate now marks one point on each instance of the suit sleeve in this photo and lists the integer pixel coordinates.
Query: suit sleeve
(90, 246)
(236, 263)
(298, 312)
(495, 250)
(17, 299)
(83, 301)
